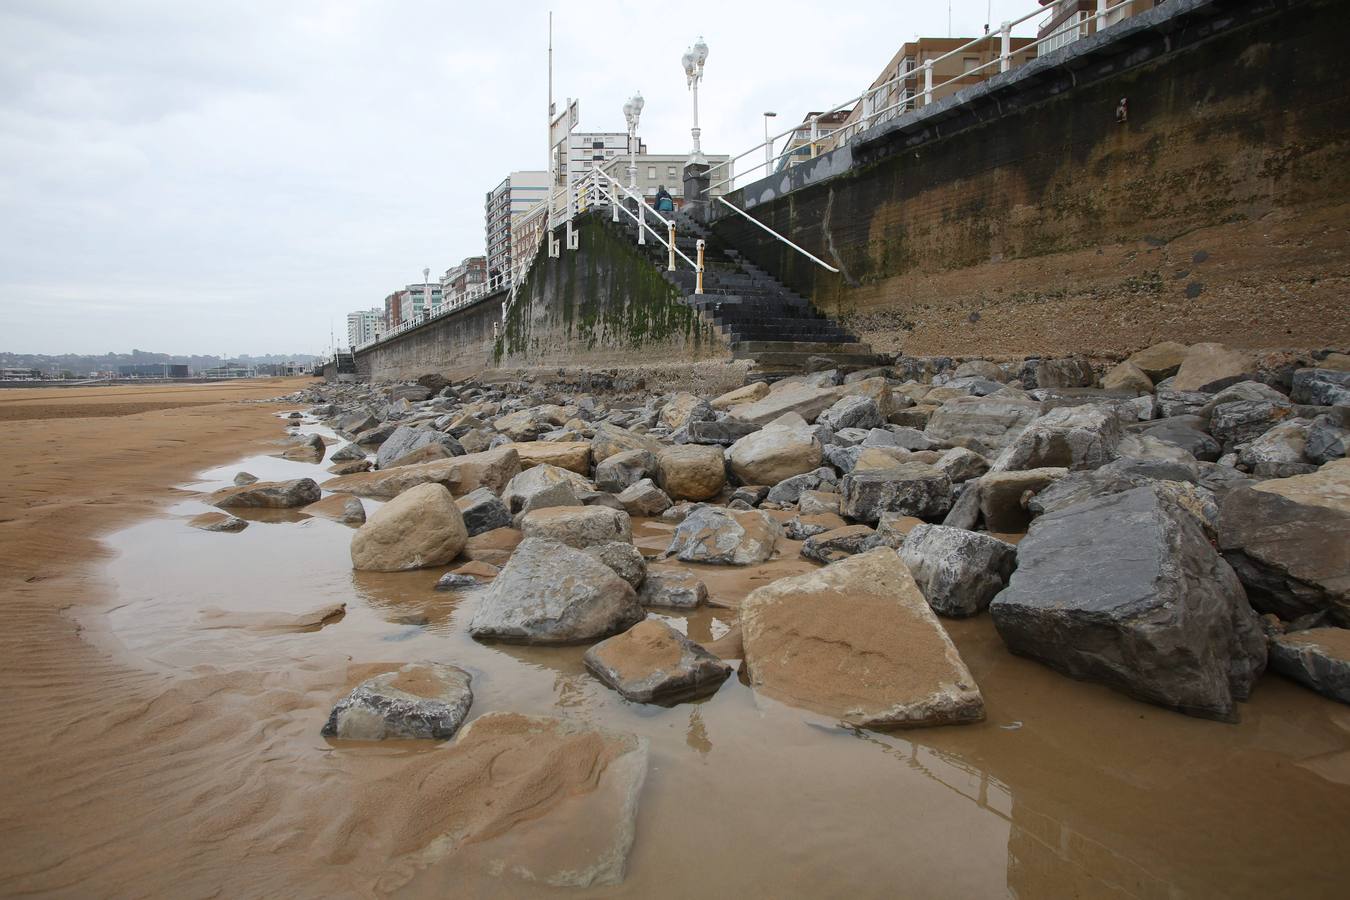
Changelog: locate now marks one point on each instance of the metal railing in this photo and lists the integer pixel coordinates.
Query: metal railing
(749, 218)
(866, 117)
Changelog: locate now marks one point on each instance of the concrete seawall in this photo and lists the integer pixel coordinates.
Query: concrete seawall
(1029, 220)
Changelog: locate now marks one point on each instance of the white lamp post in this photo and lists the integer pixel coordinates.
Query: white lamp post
(632, 111)
(693, 61)
(768, 147)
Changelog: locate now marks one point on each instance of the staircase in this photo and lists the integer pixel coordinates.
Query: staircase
(763, 320)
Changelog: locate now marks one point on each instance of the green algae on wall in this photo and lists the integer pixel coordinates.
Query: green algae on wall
(605, 299)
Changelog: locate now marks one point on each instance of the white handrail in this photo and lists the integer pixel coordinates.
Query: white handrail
(807, 254)
(670, 225)
(924, 95)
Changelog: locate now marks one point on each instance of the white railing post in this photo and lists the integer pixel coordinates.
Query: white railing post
(815, 134)
(927, 82)
(1005, 49)
(1100, 21)
(698, 278)
(642, 222)
(670, 235)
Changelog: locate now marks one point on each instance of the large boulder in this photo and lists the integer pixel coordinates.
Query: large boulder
(1064, 372)
(803, 399)
(268, 495)
(421, 527)
(611, 439)
(958, 571)
(683, 408)
(837, 543)
(1317, 657)
(711, 534)
(676, 588)
(852, 412)
(741, 396)
(524, 425)
(1127, 377)
(307, 448)
(773, 454)
(578, 526)
(1071, 437)
(1160, 360)
(790, 490)
(1187, 432)
(483, 511)
(550, 593)
(1003, 497)
(910, 489)
(1286, 538)
(644, 498)
(541, 486)
(653, 663)
(575, 456)
(1279, 452)
(419, 700)
(983, 424)
(624, 560)
(621, 470)
(1321, 387)
(857, 641)
(408, 438)
(1327, 440)
(1127, 591)
(462, 474)
(1245, 420)
(691, 471)
(1212, 367)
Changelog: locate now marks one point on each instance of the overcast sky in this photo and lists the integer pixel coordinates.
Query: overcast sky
(234, 177)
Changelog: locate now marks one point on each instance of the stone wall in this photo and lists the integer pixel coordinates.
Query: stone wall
(1030, 221)
(604, 304)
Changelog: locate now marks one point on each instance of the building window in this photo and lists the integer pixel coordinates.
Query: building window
(969, 62)
(670, 172)
(651, 173)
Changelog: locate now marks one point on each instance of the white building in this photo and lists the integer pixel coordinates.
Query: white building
(364, 326)
(655, 170)
(586, 151)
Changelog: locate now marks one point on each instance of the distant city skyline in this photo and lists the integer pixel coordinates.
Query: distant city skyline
(209, 176)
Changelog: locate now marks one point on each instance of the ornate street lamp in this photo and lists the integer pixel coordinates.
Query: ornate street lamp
(632, 111)
(693, 61)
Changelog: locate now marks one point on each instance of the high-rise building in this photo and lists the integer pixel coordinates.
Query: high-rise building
(517, 193)
(364, 326)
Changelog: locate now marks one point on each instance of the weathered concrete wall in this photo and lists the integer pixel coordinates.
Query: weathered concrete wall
(603, 304)
(457, 345)
(1030, 221)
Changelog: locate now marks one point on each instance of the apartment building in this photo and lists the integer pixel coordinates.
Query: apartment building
(1070, 20)
(900, 86)
(655, 170)
(461, 280)
(364, 326)
(517, 193)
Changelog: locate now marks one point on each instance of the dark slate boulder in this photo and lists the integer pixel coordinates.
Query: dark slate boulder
(1318, 658)
(1126, 590)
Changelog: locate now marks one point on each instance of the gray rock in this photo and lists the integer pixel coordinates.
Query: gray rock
(1318, 658)
(407, 438)
(614, 473)
(912, 489)
(644, 499)
(578, 526)
(420, 700)
(725, 537)
(454, 581)
(625, 559)
(218, 522)
(838, 543)
(958, 571)
(960, 464)
(550, 593)
(789, 490)
(543, 486)
(1326, 440)
(347, 453)
(983, 424)
(654, 663)
(1278, 452)
(483, 511)
(1321, 387)
(357, 421)
(852, 412)
(1067, 372)
(245, 478)
(816, 503)
(353, 513)
(268, 495)
(723, 432)
(377, 435)
(1245, 420)
(1072, 437)
(672, 588)
(1125, 590)
(1185, 431)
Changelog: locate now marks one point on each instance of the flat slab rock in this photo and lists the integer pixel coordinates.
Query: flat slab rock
(1127, 591)
(267, 495)
(420, 700)
(1318, 658)
(858, 641)
(711, 534)
(653, 663)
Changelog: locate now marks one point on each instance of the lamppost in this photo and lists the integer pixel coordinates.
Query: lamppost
(768, 147)
(632, 111)
(693, 60)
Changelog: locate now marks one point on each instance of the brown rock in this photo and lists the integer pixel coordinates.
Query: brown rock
(1161, 360)
(461, 474)
(856, 640)
(575, 456)
(653, 663)
(691, 471)
(757, 390)
(1127, 377)
(421, 527)
(1212, 367)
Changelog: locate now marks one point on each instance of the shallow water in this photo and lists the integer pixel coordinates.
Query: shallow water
(1067, 789)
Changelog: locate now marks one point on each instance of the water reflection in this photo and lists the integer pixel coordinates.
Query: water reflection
(697, 734)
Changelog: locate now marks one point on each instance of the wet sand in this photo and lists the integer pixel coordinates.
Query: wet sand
(151, 752)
